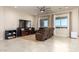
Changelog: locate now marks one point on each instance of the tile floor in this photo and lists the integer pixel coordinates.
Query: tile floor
(29, 44)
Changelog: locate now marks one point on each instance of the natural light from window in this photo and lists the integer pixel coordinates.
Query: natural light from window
(61, 22)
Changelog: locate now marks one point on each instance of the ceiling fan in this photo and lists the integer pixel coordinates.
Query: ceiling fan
(44, 9)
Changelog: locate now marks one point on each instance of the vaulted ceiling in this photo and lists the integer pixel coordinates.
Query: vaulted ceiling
(34, 10)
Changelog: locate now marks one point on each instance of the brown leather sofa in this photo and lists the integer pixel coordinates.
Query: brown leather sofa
(44, 33)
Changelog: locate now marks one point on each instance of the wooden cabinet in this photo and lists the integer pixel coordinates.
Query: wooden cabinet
(23, 31)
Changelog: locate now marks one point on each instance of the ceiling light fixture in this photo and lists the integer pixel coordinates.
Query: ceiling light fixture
(42, 11)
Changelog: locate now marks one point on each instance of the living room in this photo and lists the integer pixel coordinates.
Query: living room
(26, 22)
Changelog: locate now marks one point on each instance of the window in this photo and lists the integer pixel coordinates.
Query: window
(28, 24)
(46, 23)
(64, 22)
(43, 23)
(57, 23)
(61, 21)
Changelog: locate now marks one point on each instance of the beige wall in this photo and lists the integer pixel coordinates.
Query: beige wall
(9, 19)
(1, 23)
(36, 22)
(75, 20)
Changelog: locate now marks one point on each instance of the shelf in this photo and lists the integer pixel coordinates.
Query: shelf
(9, 34)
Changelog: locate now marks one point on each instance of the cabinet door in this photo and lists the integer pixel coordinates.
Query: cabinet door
(23, 33)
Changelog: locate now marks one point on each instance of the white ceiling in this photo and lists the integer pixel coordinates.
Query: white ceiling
(34, 10)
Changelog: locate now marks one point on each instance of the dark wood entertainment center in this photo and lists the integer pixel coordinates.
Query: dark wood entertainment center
(25, 29)
(22, 30)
